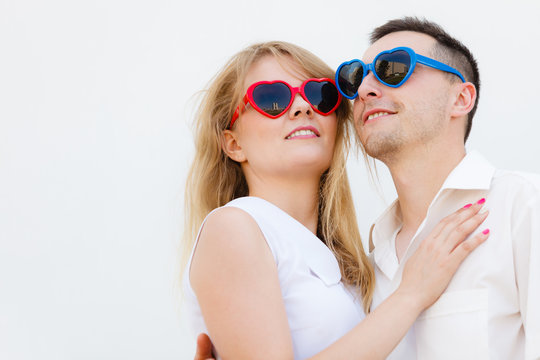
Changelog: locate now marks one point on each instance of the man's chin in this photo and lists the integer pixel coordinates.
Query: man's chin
(381, 149)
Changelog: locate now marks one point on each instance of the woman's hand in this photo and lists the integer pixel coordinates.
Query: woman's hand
(425, 276)
(429, 270)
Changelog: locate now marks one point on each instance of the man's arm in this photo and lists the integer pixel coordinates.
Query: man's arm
(204, 348)
(526, 242)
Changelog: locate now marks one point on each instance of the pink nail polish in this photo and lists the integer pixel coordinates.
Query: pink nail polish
(481, 201)
(467, 206)
(485, 232)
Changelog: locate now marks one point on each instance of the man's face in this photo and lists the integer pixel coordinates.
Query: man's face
(392, 120)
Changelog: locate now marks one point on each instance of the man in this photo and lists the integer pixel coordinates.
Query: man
(418, 128)
(490, 309)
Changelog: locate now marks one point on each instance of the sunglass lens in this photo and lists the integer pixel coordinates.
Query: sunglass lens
(393, 67)
(350, 77)
(323, 95)
(273, 99)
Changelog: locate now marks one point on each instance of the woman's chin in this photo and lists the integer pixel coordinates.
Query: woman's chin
(307, 165)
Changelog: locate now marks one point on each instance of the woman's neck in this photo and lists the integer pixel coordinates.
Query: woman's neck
(297, 197)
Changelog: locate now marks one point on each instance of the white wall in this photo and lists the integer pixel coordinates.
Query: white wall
(95, 102)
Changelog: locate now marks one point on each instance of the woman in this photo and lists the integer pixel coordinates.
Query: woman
(278, 269)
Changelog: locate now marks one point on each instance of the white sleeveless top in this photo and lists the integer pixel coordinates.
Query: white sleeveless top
(320, 309)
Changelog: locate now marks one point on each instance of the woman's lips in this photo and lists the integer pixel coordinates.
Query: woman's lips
(303, 132)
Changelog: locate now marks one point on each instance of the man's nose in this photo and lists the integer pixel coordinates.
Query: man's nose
(370, 87)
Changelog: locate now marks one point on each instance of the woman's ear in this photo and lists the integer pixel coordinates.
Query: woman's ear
(232, 147)
(464, 101)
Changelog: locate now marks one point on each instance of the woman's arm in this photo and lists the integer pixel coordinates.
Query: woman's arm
(425, 276)
(234, 276)
(247, 319)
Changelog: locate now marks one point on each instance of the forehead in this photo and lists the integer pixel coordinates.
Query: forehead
(270, 68)
(420, 43)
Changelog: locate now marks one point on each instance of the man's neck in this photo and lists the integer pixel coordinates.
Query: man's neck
(418, 176)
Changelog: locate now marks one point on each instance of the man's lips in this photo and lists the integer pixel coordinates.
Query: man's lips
(303, 132)
(372, 115)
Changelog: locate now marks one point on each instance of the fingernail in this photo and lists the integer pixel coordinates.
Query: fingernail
(481, 201)
(485, 232)
(467, 206)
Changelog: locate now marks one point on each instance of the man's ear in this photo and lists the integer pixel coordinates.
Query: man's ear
(464, 101)
(232, 147)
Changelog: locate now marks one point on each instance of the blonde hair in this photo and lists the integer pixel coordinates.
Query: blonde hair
(214, 179)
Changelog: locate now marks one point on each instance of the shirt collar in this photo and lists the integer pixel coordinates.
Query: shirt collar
(474, 172)
(382, 235)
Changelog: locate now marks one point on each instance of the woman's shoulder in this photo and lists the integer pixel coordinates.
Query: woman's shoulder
(246, 212)
(230, 238)
(254, 205)
(234, 216)
(229, 222)
(229, 233)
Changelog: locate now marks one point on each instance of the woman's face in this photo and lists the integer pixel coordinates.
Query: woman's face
(300, 142)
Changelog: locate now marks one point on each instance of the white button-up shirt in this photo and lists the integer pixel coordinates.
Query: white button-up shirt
(491, 308)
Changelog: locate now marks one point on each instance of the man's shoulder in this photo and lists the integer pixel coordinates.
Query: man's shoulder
(529, 182)
(517, 190)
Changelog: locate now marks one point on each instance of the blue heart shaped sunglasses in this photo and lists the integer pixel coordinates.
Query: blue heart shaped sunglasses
(390, 67)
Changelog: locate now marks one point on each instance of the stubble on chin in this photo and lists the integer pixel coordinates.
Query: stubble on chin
(382, 146)
(381, 143)
(386, 143)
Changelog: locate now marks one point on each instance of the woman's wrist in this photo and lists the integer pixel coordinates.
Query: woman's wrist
(411, 302)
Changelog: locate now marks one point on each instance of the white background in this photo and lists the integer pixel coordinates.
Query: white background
(96, 98)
